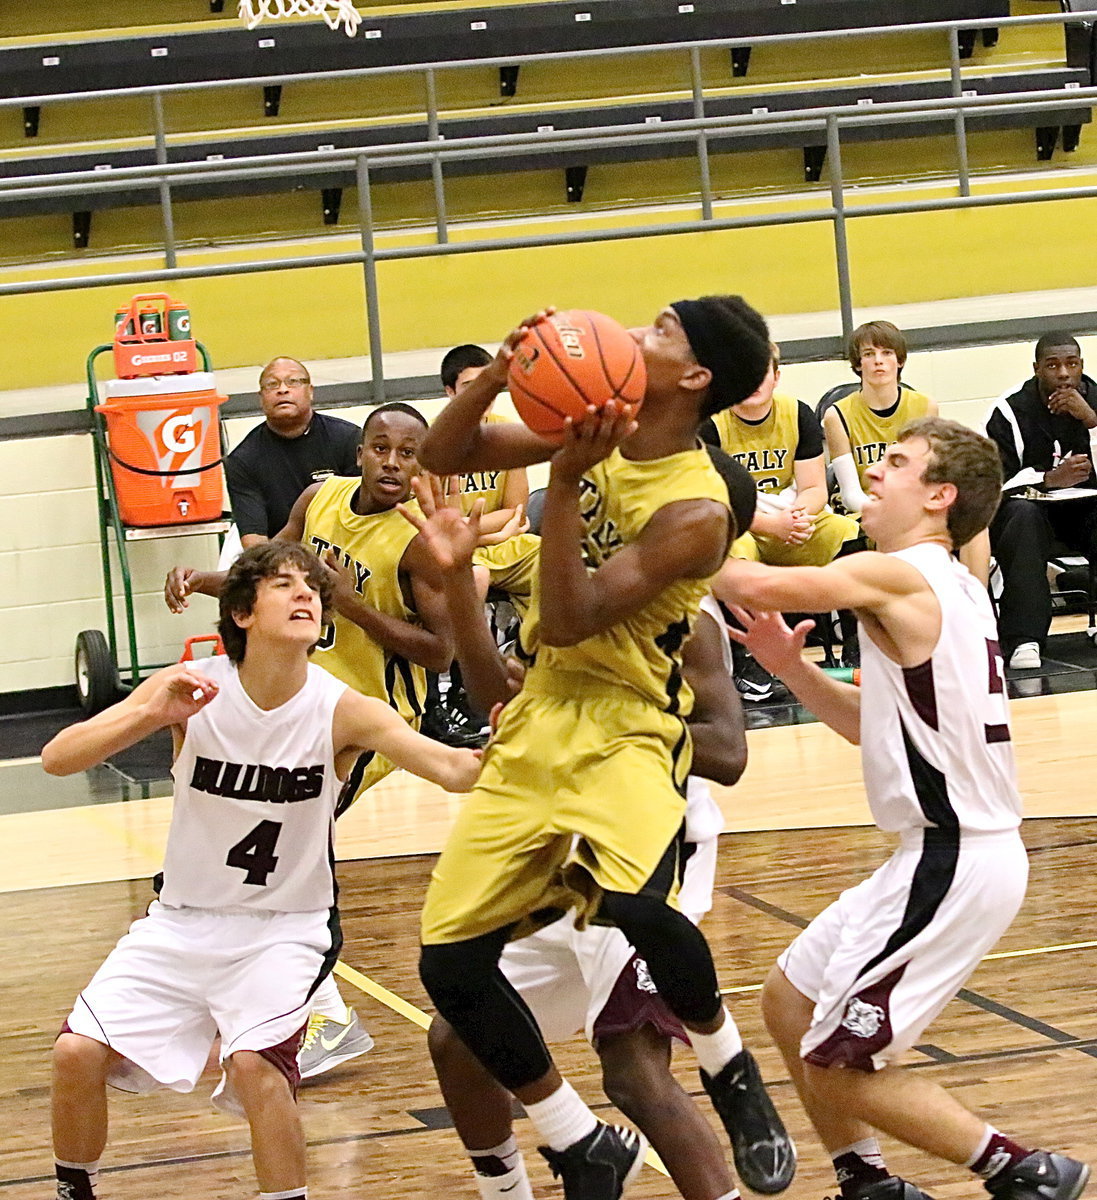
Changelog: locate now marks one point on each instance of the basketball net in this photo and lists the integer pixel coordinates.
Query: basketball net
(334, 12)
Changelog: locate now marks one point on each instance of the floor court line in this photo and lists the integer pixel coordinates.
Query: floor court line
(417, 1017)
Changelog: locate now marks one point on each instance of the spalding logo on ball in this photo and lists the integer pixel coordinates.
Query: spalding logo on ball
(569, 362)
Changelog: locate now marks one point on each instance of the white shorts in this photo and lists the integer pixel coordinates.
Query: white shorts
(181, 976)
(567, 975)
(887, 956)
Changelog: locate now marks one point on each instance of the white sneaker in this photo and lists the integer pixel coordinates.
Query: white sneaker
(1026, 657)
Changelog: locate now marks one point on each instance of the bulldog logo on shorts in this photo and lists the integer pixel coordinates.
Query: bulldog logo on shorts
(861, 1019)
(644, 981)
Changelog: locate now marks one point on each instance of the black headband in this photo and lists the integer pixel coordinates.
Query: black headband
(705, 327)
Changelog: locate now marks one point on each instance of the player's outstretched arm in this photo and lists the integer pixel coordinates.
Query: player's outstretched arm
(169, 697)
(458, 440)
(716, 723)
(365, 723)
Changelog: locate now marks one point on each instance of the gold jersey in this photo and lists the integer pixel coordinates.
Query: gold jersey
(643, 653)
(766, 448)
(869, 432)
(372, 548)
(489, 486)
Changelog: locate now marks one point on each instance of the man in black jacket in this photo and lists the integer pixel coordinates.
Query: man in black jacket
(1046, 432)
(294, 448)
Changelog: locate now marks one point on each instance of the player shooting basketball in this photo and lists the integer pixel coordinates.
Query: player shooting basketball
(635, 522)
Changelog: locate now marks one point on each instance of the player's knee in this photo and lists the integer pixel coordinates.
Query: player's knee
(442, 1041)
(79, 1058)
(457, 974)
(640, 915)
(786, 1011)
(253, 1077)
(636, 1078)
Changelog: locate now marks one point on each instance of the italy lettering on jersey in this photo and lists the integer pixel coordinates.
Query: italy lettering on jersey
(766, 448)
(869, 432)
(643, 653)
(371, 546)
(936, 749)
(253, 821)
(489, 486)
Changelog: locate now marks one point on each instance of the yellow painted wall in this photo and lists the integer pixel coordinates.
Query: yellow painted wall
(790, 269)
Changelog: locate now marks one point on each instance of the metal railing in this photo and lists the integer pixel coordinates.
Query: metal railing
(701, 130)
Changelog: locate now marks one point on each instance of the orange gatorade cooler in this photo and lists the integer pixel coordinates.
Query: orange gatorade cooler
(164, 442)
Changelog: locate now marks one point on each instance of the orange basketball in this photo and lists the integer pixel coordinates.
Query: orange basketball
(572, 360)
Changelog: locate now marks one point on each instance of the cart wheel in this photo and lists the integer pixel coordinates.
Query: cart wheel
(96, 676)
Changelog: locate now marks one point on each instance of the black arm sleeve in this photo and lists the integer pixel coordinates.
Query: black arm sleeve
(809, 433)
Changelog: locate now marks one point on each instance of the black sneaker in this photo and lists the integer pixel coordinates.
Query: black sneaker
(448, 727)
(1040, 1176)
(892, 1188)
(600, 1166)
(764, 1154)
(756, 685)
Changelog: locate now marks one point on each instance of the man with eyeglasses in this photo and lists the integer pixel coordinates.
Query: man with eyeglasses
(294, 448)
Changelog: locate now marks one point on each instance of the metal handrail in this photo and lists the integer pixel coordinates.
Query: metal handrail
(700, 129)
(504, 60)
(512, 144)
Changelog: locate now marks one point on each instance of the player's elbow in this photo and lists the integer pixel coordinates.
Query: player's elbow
(55, 762)
(438, 657)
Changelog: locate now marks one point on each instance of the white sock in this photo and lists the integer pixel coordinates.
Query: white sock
(562, 1119)
(90, 1169)
(513, 1183)
(326, 1000)
(732, 1195)
(867, 1150)
(715, 1050)
(292, 1194)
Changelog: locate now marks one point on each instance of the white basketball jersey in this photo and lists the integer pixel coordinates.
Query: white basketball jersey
(935, 742)
(254, 816)
(704, 819)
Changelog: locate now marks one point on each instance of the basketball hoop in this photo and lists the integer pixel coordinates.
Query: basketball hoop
(334, 12)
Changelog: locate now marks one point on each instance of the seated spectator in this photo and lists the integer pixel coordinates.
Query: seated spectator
(779, 440)
(294, 448)
(1046, 432)
(860, 426)
(503, 492)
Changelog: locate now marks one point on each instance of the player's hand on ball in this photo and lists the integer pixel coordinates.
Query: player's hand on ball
(594, 438)
(500, 366)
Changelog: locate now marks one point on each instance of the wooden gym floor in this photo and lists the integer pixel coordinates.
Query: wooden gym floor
(1019, 1044)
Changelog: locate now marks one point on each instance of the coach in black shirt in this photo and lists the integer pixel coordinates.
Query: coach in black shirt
(1046, 433)
(294, 448)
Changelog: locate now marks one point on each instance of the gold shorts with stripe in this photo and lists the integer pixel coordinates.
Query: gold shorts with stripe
(582, 791)
(831, 531)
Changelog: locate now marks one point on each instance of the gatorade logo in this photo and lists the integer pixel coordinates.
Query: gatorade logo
(141, 359)
(182, 324)
(178, 434)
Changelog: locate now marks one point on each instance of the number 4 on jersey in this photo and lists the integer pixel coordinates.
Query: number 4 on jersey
(254, 852)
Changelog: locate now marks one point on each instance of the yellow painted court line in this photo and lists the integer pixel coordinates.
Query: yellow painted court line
(757, 987)
(417, 1017)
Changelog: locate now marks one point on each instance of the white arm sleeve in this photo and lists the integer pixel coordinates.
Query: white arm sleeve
(850, 482)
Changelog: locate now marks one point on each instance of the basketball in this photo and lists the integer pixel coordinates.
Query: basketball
(572, 360)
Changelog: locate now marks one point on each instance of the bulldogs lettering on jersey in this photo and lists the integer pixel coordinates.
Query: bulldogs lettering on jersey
(255, 791)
